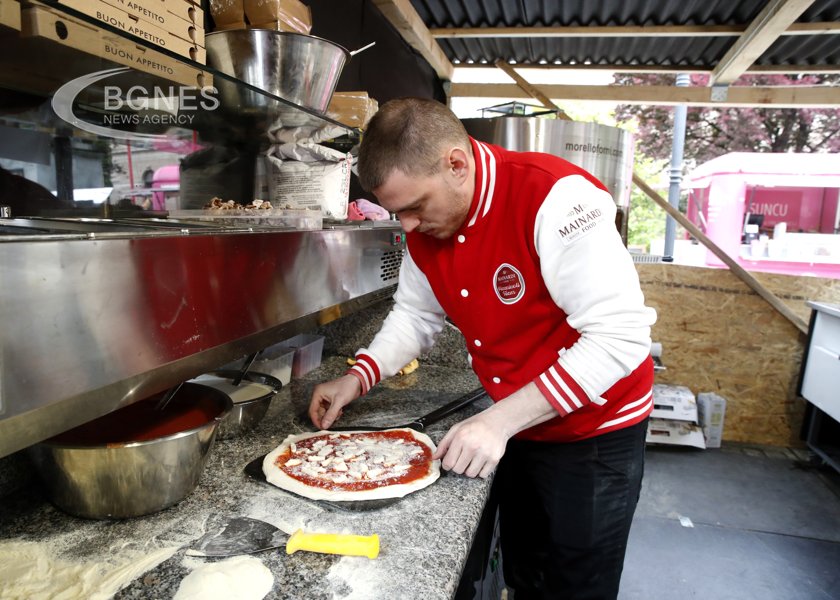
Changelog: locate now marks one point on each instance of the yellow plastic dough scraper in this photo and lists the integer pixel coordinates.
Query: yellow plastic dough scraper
(244, 535)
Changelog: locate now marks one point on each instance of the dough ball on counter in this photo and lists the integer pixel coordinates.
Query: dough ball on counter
(237, 578)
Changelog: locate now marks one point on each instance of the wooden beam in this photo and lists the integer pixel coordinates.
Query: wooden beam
(527, 87)
(666, 69)
(765, 29)
(680, 218)
(620, 31)
(792, 96)
(408, 23)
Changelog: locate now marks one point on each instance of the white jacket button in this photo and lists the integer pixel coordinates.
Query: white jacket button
(497, 380)
(462, 239)
(464, 293)
(477, 343)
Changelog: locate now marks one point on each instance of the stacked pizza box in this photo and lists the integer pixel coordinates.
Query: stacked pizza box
(174, 25)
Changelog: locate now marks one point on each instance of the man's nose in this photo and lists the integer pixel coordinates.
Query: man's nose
(408, 223)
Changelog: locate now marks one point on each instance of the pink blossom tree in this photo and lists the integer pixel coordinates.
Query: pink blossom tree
(712, 131)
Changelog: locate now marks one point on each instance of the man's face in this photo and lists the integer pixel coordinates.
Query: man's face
(436, 205)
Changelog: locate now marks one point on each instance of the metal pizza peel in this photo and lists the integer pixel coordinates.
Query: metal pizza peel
(244, 535)
(421, 423)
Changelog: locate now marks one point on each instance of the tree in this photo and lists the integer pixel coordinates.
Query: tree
(712, 132)
(646, 221)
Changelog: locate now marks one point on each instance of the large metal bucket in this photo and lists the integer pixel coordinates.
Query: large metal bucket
(92, 472)
(301, 69)
(605, 152)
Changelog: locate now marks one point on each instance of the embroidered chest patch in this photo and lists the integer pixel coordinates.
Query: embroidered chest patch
(508, 283)
(578, 222)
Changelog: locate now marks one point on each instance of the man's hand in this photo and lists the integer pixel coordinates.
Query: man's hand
(474, 446)
(330, 398)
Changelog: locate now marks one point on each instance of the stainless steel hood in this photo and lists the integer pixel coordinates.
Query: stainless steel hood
(95, 316)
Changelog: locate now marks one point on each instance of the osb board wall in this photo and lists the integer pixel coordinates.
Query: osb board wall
(720, 336)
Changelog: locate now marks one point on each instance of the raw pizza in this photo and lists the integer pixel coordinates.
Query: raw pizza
(353, 465)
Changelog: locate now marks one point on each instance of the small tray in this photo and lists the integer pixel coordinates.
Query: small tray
(254, 470)
(304, 219)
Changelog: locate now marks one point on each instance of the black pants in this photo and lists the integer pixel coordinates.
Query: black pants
(565, 513)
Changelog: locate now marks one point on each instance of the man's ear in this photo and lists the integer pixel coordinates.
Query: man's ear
(457, 163)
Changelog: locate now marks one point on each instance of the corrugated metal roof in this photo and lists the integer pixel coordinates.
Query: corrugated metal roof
(690, 52)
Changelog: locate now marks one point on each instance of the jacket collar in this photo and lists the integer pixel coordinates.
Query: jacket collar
(485, 182)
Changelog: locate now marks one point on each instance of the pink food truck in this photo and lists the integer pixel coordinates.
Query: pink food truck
(775, 213)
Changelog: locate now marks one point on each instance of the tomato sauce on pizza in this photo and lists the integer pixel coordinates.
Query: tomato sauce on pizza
(356, 461)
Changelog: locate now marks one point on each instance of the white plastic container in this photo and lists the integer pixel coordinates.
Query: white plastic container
(276, 361)
(308, 349)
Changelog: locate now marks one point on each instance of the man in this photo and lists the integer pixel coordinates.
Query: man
(520, 250)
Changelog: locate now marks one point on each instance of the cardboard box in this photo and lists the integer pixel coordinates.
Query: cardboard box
(189, 11)
(711, 408)
(281, 15)
(10, 14)
(144, 29)
(232, 25)
(154, 12)
(274, 26)
(674, 402)
(184, 11)
(43, 22)
(227, 13)
(675, 433)
(355, 109)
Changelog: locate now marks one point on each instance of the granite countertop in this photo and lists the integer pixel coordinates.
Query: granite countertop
(425, 537)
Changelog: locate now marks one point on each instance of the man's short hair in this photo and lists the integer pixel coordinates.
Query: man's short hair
(408, 134)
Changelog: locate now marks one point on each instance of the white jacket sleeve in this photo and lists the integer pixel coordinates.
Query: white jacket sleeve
(408, 331)
(592, 278)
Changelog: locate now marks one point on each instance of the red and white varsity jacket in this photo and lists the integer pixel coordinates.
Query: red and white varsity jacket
(538, 281)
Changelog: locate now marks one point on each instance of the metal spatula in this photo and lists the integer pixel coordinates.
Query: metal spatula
(421, 423)
(244, 535)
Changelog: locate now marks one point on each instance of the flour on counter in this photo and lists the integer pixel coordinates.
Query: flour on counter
(31, 571)
(360, 574)
(237, 578)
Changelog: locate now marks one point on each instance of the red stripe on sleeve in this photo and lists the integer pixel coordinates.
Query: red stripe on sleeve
(550, 394)
(367, 371)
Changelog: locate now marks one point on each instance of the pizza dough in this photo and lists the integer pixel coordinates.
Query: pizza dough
(353, 465)
(237, 578)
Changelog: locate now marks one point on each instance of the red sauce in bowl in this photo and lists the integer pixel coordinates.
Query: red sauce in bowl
(192, 407)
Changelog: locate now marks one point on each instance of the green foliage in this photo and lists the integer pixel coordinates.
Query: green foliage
(646, 221)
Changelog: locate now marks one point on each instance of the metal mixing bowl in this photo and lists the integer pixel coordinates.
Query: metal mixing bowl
(302, 69)
(246, 414)
(96, 471)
